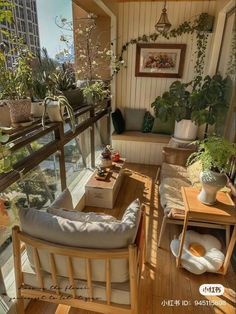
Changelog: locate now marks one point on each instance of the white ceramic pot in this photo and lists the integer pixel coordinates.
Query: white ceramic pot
(211, 182)
(185, 130)
(55, 112)
(5, 118)
(37, 109)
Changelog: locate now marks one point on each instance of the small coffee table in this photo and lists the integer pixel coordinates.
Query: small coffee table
(103, 193)
(222, 212)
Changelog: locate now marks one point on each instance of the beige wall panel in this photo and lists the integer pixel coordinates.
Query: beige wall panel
(138, 18)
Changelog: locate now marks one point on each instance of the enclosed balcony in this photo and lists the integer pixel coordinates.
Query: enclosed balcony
(118, 190)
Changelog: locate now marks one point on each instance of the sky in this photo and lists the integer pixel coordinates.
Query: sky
(49, 32)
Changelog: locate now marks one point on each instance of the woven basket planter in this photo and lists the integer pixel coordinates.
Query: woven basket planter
(20, 110)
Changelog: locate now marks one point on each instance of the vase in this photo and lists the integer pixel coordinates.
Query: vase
(20, 110)
(185, 130)
(211, 182)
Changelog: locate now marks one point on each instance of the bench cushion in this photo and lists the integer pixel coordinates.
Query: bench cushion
(137, 136)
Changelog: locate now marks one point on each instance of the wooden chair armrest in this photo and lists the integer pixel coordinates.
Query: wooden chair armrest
(176, 156)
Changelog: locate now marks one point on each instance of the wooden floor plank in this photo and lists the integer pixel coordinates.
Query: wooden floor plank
(160, 281)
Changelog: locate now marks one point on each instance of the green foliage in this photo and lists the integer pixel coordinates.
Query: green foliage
(215, 93)
(6, 11)
(39, 88)
(202, 105)
(214, 153)
(43, 67)
(63, 79)
(61, 101)
(16, 82)
(96, 91)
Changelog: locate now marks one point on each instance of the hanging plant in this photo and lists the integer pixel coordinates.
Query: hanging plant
(201, 26)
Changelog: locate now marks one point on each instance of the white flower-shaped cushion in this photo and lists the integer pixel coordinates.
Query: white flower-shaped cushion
(212, 258)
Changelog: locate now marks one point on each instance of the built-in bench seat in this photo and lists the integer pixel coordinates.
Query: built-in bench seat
(138, 147)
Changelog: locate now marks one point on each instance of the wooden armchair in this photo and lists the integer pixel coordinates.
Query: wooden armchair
(49, 286)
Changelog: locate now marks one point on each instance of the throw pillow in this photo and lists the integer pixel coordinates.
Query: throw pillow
(134, 119)
(118, 121)
(75, 215)
(64, 200)
(147, 122)
(166, 127)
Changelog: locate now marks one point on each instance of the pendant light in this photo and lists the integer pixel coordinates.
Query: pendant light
(163, 25)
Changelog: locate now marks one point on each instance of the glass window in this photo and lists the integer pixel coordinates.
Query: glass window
(36, 190)
(30, 27)
(29, 15)
(75, 158)
(31, 39)
(21, 13)
(23, 26)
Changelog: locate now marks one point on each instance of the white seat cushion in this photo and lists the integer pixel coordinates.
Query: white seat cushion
(120, 292)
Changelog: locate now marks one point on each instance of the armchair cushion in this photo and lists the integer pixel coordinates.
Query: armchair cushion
(81, 216)
(96, 235)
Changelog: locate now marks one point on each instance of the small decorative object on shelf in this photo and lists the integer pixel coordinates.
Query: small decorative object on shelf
(106, 157)
(116, 156)
(101, 174)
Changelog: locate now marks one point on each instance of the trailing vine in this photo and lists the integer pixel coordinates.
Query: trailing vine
(201, 26)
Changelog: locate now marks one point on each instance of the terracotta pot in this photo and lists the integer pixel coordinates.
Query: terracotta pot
(37, 109)
(20, 110)
(5, 118)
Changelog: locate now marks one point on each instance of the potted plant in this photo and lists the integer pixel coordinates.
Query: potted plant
(15, 83)
(95, 92)
(55, 107)
(64, 80)
(192, 107)
(177, 102)
(39, 92)
(214, 153)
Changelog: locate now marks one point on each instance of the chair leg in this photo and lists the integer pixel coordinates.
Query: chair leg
(163, 226)
(227, 235)
(20, 308)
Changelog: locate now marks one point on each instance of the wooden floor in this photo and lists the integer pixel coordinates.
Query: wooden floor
(161, 281)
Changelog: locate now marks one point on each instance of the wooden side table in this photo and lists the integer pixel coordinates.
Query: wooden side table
(223, 212)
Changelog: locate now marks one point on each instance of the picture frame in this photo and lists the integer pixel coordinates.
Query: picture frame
(160, 60)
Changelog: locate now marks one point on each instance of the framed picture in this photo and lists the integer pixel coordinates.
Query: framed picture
(160, 60)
